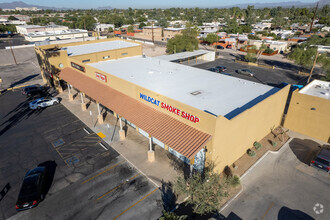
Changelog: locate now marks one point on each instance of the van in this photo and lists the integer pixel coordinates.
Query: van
(322, 159)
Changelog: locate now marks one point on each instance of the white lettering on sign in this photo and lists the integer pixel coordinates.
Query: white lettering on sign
(101, 77)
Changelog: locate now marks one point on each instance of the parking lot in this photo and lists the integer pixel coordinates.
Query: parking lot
(283, 186)
(267, 76)
(90, 180)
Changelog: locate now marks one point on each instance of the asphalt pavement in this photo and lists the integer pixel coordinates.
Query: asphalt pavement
(89, 180)
(283, 186)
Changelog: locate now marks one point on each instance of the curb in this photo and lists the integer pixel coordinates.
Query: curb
(248, 171)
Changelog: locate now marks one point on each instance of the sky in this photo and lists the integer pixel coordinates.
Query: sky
(144, 3)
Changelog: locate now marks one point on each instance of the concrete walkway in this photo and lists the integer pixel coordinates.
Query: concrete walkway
(134, 148)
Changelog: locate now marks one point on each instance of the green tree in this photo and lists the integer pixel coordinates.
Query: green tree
(86, 22)
(172, 216)
(187, 41)
(205, 191)
(141, 25)
(12, 18)
(130, 29)
(211, 38)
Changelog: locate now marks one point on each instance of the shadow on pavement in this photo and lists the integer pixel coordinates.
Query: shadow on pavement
(4, 191)
(168, 196)
(28, 78)
(304, 149)
(51, 168)
(20, 112)
(186, 209)
(286, 213)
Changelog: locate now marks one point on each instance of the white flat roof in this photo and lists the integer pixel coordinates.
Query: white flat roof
(317, 88)
(98, 47)
(219, 94)
(183, 55)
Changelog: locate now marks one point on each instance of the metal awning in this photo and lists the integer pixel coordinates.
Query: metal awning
(179, 136)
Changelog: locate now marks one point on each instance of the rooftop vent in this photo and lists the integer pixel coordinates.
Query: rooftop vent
(196, 93)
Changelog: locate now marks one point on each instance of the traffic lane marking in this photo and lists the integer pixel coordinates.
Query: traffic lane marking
(104, 171)
(268, 209)
(116, 187)
(136, 203)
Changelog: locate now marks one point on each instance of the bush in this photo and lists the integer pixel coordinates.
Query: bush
(235, 181)
(274, 143)
(257, 145)
(269, 51)
(228, 171)
(251, 153)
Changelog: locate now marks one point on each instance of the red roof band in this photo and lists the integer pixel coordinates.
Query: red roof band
(180, 137)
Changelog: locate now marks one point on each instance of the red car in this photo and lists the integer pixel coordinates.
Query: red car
(229, 46)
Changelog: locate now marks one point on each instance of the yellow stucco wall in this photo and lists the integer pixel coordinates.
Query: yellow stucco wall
(234, 137)
(301, 118)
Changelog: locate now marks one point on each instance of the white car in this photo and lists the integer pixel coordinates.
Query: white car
(43, 102)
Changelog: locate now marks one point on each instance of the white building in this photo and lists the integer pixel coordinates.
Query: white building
(104, 27)
(26, 29)
(56, 35)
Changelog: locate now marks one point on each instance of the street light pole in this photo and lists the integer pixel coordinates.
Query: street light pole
(311, 72)
(12, 52)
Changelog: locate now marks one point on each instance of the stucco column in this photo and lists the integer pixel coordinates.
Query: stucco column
(70, 94)
(121, 131)
(83, 104)
(58, 85)
(99, 116)
(192, 161)
(151, 152)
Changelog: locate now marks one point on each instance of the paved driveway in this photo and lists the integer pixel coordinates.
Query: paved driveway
(282, 185)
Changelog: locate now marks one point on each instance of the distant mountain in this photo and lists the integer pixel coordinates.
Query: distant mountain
(297, 4)
(104, 8)
(13, 5)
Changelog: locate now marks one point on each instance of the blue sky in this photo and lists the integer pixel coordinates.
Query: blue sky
(143, 3)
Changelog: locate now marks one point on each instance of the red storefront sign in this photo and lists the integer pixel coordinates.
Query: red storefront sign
(101, 77)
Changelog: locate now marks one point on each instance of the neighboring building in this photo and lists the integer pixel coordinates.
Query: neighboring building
(171, 32)
(104, 27)
(26, 29)
(194, 114)
(149, 31)
(25, 18)
(261, 26)
(274, 45)
(56, 35)
(298, 39)
(309, 111)
(21, 9)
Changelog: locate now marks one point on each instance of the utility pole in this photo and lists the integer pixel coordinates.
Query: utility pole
(152, 31)
(311, 72)
(310, 28)
(12, 52)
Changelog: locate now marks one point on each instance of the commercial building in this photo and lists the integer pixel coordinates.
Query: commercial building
(56, 35)
(194, 114)
(26, 29)
(104, 27)
(309, 111)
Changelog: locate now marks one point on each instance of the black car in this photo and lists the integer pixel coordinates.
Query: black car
(220, 47)
(322, 159)
(221, 68)
(33, 189)
(214, 69)
(33, 90)
(246, 72)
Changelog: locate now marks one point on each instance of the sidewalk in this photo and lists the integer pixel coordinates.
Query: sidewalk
(134, 148)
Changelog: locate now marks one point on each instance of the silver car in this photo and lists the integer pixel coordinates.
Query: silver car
(246, 72)
(43, 102)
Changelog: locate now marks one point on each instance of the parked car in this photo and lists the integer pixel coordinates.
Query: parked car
(43, 102)
(214, 69)
(33, 90)
(322, 159)
(33, 189)
(246, 72)
(220, 47)
(221, 68)
(229, 46)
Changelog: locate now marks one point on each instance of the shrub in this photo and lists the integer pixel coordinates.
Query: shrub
(228, 171)
(269, 51)
(257, 145)
(274, 143)
(251, 153)
(235, 181)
